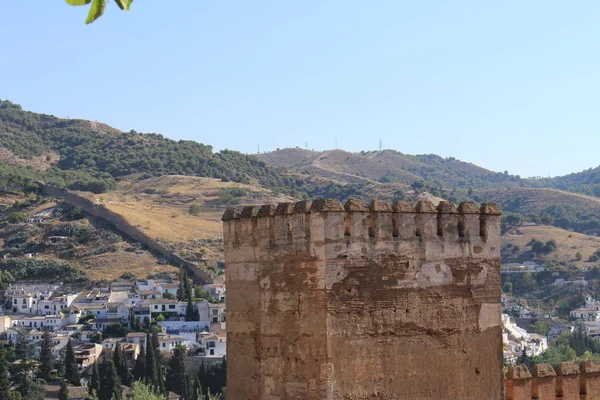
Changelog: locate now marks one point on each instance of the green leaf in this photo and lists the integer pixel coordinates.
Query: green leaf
(96, 10)
(78, 2)
(124, 4)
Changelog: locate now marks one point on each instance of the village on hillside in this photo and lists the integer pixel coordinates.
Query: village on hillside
(95, 321)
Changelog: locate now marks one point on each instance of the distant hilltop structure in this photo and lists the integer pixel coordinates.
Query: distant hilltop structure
(332, 301)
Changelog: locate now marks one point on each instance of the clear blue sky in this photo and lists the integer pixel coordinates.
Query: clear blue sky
(511, 85)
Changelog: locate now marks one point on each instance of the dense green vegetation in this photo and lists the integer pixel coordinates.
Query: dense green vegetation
(586, 182)
(563, 216)
(93, 156)
(569, 346)
(51, 270)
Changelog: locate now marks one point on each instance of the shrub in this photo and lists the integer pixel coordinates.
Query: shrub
(17, 217)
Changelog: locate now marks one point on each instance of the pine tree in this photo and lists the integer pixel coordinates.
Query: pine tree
(121, 365)
(71, 371)
(94, 384)
(4, 383)
(63, 394)
(176, 376)
(46, 357)
(110, 384)
(139, 368)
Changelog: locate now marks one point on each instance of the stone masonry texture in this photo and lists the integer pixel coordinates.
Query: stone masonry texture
(357, 301)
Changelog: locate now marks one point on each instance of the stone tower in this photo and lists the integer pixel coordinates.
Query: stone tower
(327, 301)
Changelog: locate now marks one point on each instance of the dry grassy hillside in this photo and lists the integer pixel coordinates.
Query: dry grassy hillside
(568, 244)
(289, 158)
(38, 163)
(161, 206)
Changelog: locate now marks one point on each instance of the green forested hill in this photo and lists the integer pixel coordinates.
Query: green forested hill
(91, 155)
(586, 182)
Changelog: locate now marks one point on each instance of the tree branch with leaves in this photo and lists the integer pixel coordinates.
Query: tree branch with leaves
(97, 7)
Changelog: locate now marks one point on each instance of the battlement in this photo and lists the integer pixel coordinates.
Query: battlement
(567, 381)
(286, 222)
(332, 301)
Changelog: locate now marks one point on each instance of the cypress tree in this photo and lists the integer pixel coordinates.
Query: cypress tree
(197, 395)
(4, 383)
(63, 394)
(110, 384)
(186, 388)
(186, 285)
(139, 368)
(159, 363)
(21, 372)
(121, 365)
(190, 313)
(150, 367)
(203, 381)
(176, 376)
(94, 384)
(181, 292)
(46, 357)
(71, 371)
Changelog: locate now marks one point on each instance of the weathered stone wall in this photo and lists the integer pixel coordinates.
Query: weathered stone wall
(121, 224)
(353, 302)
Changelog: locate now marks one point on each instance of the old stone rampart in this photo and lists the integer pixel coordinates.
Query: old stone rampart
(332, 301)
(121, 224)
(568, 382)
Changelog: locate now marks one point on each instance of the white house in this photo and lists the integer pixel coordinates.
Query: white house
(168, 288)
(213, 345)
(585, 314)
(168, 343)
(216, 290)
(56, 322)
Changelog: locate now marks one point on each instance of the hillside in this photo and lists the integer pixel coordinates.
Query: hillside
(389, 166)
(92, 156)
(550, 206)
(184, 212)
(63, 235)
(516, 246)
(176, 191)
(586, 182)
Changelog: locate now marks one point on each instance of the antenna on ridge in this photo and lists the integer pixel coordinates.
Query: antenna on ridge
(380, 145)
(258, 149)
(306, 145)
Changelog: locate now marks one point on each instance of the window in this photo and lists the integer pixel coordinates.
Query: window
(171, 305)
(164, 344)
(210, 344)
(24, 301)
